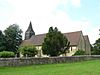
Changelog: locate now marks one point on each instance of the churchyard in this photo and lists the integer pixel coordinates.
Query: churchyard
(91, 67)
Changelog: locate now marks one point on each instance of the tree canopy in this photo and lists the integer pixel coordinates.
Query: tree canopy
(13, 38)
(96, 47)
(55, 43)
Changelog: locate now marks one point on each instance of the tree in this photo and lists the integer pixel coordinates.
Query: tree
(92, 49)
(55, 43)
(2, 42)
(29, 50)
(96, 47)
(13, 38)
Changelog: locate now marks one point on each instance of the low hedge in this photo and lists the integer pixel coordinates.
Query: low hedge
(6, 54)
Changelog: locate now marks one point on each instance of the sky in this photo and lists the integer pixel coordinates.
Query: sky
(66, 15)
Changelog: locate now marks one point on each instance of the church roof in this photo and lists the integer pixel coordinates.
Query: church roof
(73, 37)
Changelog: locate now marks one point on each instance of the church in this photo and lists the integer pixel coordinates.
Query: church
(78, 41)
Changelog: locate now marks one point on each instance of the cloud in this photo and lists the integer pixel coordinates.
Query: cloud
(76, 3)
(35, 7)
(93, 34)
(43, 14)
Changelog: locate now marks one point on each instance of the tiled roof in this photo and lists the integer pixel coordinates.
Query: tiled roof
(73, 37)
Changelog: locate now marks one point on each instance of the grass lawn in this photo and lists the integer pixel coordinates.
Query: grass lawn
(78, 68)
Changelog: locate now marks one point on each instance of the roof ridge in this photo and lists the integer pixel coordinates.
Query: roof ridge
(85, 35)
(41, 34)
(63, 33)
(72, 32)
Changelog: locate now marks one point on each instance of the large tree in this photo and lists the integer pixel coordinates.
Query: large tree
(55, 43)
(96, 47)
(2, 42)
(13, 38)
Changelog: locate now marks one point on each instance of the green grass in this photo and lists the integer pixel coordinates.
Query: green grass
(78, 68)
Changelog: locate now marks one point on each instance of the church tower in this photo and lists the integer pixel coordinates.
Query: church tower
(29, 32)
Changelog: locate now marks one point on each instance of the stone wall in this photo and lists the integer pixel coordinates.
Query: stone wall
(47, 60)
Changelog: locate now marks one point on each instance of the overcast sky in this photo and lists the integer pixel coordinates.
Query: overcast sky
(66, 15)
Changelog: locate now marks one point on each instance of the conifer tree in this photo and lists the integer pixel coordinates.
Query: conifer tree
(55, 43)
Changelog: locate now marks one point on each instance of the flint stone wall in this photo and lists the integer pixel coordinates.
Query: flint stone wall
(46, 60)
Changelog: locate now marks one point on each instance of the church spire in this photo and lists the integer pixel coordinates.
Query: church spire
(29, 32)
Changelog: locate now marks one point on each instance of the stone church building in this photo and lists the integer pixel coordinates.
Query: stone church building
(77, 41)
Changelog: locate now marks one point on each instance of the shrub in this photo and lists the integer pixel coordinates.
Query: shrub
(6, 54)
(28, 50)
(80, 52)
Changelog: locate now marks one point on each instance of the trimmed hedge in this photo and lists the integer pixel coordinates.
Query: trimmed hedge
(6, 54)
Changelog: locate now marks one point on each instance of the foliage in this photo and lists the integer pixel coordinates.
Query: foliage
(96, 47)
(13, 38)
(28, 50)
(2, 42)
(55, 43)
(6, 54)
(92, 50)
(80, 52)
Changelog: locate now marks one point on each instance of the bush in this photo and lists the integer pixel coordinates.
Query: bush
(28, 50)
(6, 54)
(80, 52)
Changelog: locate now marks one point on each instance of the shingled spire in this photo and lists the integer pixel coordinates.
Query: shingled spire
(29, 32)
